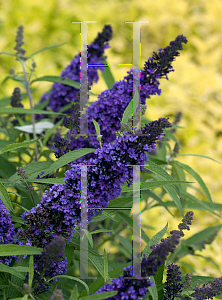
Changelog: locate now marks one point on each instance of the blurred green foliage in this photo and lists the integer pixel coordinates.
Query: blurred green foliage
(195, 88)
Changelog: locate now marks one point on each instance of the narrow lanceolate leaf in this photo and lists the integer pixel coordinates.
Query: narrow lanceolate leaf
(96, 127)
(153, 184)
(74, 295)
(73, 278)
(200, 204)
(187, 154)
(197, 177)
(100, 296)
(58, 79)
(31, 270)
(39, 127)
(107, 75)
(154, 240)
(15, 146)
(50, 131)
(10, 249)
(47, 181)
(10, 270)
(202, 235)
(105, 266)
(153, 290)
(67, 158)
(97, 262)
(45, 48)
(128, 111)
(5, 198)
(19, 110)
(7, 53)
(128, 220)
(161, 173)
(89, 237)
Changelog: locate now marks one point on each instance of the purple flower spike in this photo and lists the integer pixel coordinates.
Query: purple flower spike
(60, 94)
(49, 264)
(7, 232)
(111, 104)
(174, 284)
(134, 289)
(60, 207)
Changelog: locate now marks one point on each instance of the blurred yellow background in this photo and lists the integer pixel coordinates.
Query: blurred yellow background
(195, 88)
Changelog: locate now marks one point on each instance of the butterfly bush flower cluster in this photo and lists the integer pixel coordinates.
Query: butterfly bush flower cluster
(51, 262)
(173, 285)
(60, 94)
(117, 98)
(60, 206)
(7, 232)
(208, 290)
(133, 288)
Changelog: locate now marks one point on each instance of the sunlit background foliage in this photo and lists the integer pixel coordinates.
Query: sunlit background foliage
(195, 88)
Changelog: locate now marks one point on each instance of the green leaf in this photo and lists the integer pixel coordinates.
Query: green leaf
(101, 230)
(39, 127)
(45, 48)
(76, 243)
(50, 131)
(126, 244)
(153, 290)
(89, 237)
(17, 220)
(47, 180)
(201, 236)
(161, 203)
(154, 241)
(201, 156)
(15, 146)
(120, 202)
(106, 274)
(128, 220)
(67, 158)
(5, 198)
(100, 296)
(19, 110)
(74, 295)
(206, 205)
(107, 75)
(11, 249)
(42, 105)
(73, 278)
(161, 173)
(151, 185)
(97, 262)
(128, 113)
(197, 177)
(108, 216)
(58, 79)
(97, 128)
(12, 290)
(100, 281)
(5, 101)
(32, 170)
(7, 53)
(69, 250)
(11, 270)
(31, 270)
(22, 123)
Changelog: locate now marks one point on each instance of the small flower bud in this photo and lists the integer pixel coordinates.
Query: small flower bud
(19, 43)
(57, 295)
(12, 71)
(16, 98)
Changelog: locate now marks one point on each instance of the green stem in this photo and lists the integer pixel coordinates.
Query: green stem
(31, 106)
